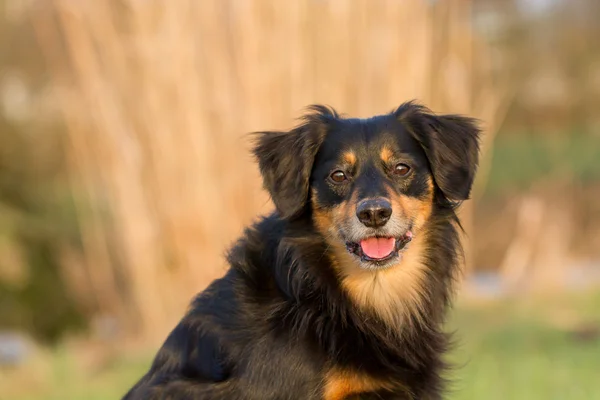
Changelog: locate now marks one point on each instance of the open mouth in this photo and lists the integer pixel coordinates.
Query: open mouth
(379, 249)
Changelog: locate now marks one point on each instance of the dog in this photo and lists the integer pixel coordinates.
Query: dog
(340, 293)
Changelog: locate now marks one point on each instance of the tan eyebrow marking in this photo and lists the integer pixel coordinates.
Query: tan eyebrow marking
(385, 154)
(349, 157)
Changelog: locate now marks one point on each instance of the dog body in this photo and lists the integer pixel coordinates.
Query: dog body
(341, 293)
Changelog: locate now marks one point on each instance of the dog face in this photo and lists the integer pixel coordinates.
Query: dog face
(369, 185)
(372, 189)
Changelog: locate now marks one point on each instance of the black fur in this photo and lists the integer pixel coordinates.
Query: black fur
(451, 144)
(286, 158)
(274, 325)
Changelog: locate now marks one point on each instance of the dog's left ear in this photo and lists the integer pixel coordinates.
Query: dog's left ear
(451, 143)
(286, 160)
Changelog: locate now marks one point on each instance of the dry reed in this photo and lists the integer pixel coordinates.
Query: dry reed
(157, 97)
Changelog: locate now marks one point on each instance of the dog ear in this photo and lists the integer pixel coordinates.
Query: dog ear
(451, 144)
(286, 159)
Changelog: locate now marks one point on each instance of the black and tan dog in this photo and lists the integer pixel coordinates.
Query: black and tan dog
(341, 293)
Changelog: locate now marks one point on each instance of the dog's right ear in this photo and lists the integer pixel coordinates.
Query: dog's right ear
(451, 143)
(286, 160)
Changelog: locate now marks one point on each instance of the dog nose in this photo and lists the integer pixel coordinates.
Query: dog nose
(374, 213)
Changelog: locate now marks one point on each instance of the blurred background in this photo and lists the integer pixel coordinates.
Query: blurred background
(125, 171)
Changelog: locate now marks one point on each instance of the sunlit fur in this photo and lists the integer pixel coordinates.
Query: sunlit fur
(297, 315)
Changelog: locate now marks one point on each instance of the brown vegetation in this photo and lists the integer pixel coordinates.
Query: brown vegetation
(157, 98)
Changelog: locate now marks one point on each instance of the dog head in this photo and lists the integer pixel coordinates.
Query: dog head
(369, 185)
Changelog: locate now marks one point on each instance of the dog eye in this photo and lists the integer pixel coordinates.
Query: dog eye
(401, 169)
(338, 176)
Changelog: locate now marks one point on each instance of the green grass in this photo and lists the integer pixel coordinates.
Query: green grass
(511, 351)
(507, 350)
(520, 160)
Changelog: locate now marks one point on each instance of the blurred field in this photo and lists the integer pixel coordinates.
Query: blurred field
(536, 349)
(519, 349)
(519, 160)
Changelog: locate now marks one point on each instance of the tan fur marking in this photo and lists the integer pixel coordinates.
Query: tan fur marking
(418, 210)
(326, 219)
(386, 154)
(322, 220)
(430, 185)
(349, 157)
(339, 384)
(394, 293)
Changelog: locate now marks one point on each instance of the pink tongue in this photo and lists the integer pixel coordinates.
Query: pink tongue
(377, 247)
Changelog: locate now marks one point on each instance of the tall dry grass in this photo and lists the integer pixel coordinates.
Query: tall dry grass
(157, 97)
